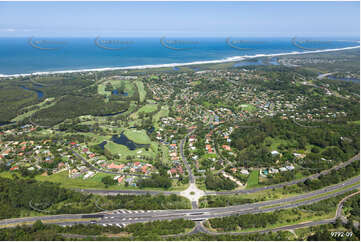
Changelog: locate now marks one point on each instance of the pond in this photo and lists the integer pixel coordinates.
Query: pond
(150, 130)
(123, 140)
(102, 144)
(39, 93)
(116, 92)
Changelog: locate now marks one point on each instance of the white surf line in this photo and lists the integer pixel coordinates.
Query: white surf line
(229, 59)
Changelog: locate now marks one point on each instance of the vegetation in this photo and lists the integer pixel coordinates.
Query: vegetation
(219, 182)
(288, 216)
(24, 197)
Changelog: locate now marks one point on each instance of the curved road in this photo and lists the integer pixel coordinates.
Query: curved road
(122, 216)
(245, 191)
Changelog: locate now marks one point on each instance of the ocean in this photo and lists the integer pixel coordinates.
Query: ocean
(44, 55)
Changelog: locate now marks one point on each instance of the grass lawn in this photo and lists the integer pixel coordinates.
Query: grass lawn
(63, 179)
(148, 108)
(123, 151)
(137, 136)
(141, 90)
(253, 179)
(164, 111)
(165, 152)
(101, 90)
(144, 109)
(248, 107)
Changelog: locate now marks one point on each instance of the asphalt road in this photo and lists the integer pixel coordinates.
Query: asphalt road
(184, 159)
(122, 217)
(244, 191)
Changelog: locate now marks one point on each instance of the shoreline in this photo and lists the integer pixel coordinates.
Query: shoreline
(142, 67)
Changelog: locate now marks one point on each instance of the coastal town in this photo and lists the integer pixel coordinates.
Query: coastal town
(144, 140)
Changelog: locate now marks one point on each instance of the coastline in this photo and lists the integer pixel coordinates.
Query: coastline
(229, 59)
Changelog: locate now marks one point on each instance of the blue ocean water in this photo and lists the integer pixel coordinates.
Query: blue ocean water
(28, 55)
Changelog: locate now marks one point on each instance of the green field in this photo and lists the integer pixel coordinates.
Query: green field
(123, 151)
(137, 136)
(141, 91)
(144, 109)
(164, 111)
(253, 179)
(248, 107)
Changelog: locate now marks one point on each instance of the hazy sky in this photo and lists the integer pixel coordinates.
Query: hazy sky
(217, 19)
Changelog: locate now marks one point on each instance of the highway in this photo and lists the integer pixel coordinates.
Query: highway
(123, 217)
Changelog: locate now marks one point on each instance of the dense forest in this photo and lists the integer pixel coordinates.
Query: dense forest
(254, 143)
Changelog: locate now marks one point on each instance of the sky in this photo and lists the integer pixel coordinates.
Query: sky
(186, 19)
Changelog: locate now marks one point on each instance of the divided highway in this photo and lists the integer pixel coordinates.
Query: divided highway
(122, 217)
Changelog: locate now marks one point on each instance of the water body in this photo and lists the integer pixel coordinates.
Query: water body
(123, 140)
(111, 114)
(102, 144)
(257, 62)
(149, 131)
(19, 57)
(343, 79)
(6, 123)
(39, 93)
(115, 92)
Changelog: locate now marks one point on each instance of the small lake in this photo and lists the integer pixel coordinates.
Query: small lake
(39, 93)
(110, 114)
(102, 144)
(123, 140)
(115, 92)
(149, 131)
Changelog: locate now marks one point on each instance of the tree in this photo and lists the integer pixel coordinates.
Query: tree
(108, 181)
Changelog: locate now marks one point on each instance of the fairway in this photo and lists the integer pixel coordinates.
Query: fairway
(164, 111)
(137, 136)
(141, 91)
(253, 179)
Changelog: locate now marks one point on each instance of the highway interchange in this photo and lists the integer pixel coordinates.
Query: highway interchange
(123, 217)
